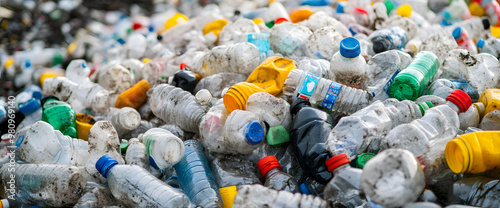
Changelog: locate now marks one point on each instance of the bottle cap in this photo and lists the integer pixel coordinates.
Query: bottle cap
(280, 20)
(425, 106)
(486, 23)
(337, 161)
(340, 8)
(349, 47)
(389, 6)
(360, 10)
(404, 10)
(268, 163)
(460, 99)
(47, 97)
(182, 65)
(123, 147)
(104, 164)
(277, 136)
(480, 43)
(304, 189)
(29, 107)
(378, 47)
(298, 104)
(254, 133)
(457, 32)
(363, 158)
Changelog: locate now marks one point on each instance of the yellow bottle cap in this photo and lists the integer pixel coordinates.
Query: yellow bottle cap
(83, 124)
(404, 10)
(71, 47)
(300, 15)
(495, 31)
(258, 21)
(476, 9)
(176, 19)
(146, 60)
(215, 26)
(228, 194)
(9, 62)
(49, 75)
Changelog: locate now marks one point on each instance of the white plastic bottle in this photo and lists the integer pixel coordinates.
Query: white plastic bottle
(325, 93)
(114, 77)
(233, 32)
(289, 39)
(78, 72)
(135, 187)
(163, 147)
(42, 144)
(268, 108)
(393, 178)
(136, 45)
(347, 67)
(32, 110)
(176, 106)
(464, 40)
(136, 154)
(43, 184)
(491, 46)
(441, 88)
(261, 196)
(321, 19)
(124, 120)
(323, 43)
(319, 67)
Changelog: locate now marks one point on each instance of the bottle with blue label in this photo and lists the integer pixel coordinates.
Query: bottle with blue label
(388, 39)
(325, 93)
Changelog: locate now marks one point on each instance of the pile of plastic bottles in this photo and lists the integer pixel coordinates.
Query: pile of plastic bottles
(236, 103)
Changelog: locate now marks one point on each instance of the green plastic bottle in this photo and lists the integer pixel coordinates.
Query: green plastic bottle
(60, 115)
(410, 83)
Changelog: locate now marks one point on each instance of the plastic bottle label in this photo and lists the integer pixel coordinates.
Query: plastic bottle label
(308, 86)
(389, 82)
(331, 95)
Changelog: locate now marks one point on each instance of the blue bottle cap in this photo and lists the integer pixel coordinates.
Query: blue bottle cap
(457, 32)
(254, 133)
(104, 164)
(445, 23)
(27, 64)
(480, 43)
(37, 95)
(352, 31)
(29, 107)
(304, 189)
(447, 15)
(349, 47)
(340, 8)
(19, 141)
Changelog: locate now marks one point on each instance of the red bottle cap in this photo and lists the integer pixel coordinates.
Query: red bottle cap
(183, 65)
(360, 10)
(280, 20)
(268, 163)
(337, 161)
(136, 25)
(460, 99)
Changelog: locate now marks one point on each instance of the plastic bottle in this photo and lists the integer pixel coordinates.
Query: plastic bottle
(344, 190)
(406, 10)
(347, 67)
(440, 87)
(52, 181)
(196, 177)
(490, 121)
(42, 144)
(438, 123)
(323, 43)
(410, 83)
(491, 46)
(60, 115)
(493, 12)
(319, 67)
(321, 19)
(78, 72)
(135, 187)
(237, 31)
(464, 41)
(476, 191)
(268, 77)
(114, 77)
(388, 39)
(309, 132)
(228, 194)
(353, 134)
(474, 26)
(490, 99)
(473, 152)
(133, 97)
(164, 148)
(136, 154)
(176, 106)
(123, 120)
(393, 178)
(185, 79)
(30, 91)
(32, 110)
(275, 178)
(289, 39)
(83, 124)
(260, 196)
(464, 85)
(325, 93)
(271, 110)
(233, 171)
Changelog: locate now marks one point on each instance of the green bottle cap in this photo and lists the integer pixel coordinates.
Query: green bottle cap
(425, 106)
(270, 24)
(277, 136)
(70, 131)
(389, 5)
(57, 59)
(123, 147)
(363, 158)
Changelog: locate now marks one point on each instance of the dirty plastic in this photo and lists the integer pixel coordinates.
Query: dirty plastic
(60, 115)
(347, 67)
(388, 39)
(275, 178)
(490, 99)
(164, 148)
(260, 196)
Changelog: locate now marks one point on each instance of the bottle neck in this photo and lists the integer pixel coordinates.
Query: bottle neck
(453, 106)
(272, 171)
(340, 169)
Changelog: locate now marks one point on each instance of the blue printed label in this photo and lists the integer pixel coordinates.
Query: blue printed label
(389, 82)
(331, 95)
(308, 86)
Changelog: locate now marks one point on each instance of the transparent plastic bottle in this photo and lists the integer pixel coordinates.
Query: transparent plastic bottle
(135, 187)
(196, 177)
(261, 196)
(136, 45)
(124, 120)
(347, 67)
(136, 154)
(289, 39)
(393, 178)
(321, 19)
(491, 46)
(114, 77)
(217, 82)
(52, 182)
(176, 106)
(319, 67)
(441, 88)
(323, 43)
(268, 108)
(164, 148)
(233, 171)
(325, 93)
(474, 26)
(464, 40)
(476, 191)
(32, 111)
(344, 190)
(233, 32)
(275, 178)
(388, 39)
(42, 144)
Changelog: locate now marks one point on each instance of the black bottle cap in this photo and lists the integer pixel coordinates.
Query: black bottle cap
(486, 23)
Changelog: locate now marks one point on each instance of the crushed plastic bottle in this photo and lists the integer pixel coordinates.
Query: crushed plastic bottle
(260, 196)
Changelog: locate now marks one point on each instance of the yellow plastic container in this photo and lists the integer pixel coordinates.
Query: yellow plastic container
(174, 20)
(474, 152)
(476, 9)
(268, 77)
(83, 124)
(228, 194)
(300, 15)
(490, 99)
(135, 96)
(215, 27)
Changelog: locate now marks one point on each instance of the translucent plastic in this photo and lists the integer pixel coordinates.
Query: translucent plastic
(176, 106)
(476, 191)
(268, 108)
(289, 39)
(114, 77)
(196, 177)
(31, 119)
(350, 72)
(441, 88)
(136, 154)
(52, 182)
(321, 19)
(234, 171)
(281, 181)
(388, 39)
(163, 147)
(78, 72)
(323, 43)
(491, 46)
(217, 82)
(260, 196)
(325, 93)
(344, 190)
(124, 120)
